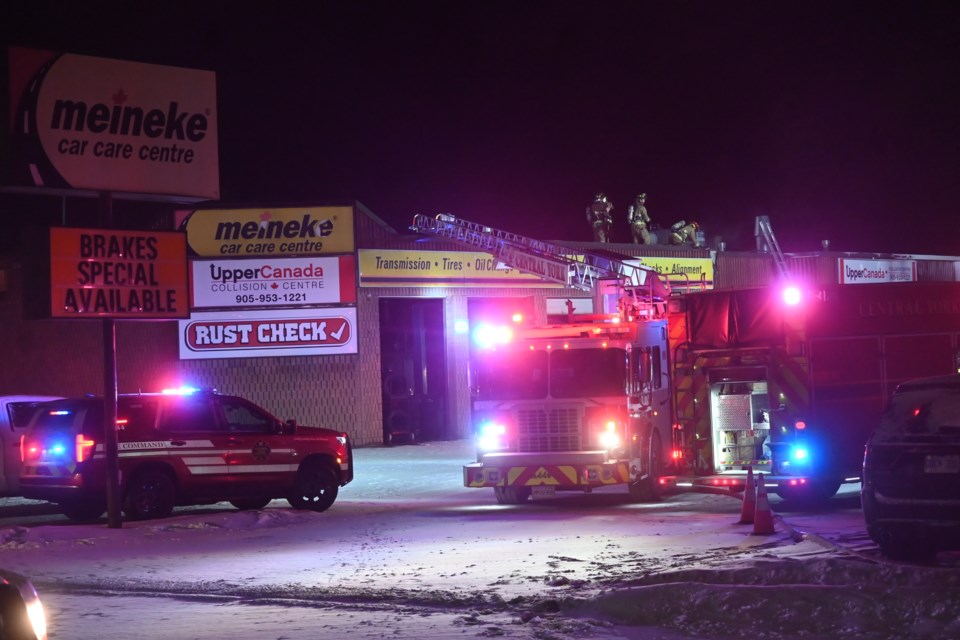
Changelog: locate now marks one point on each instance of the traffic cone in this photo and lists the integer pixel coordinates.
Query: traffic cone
(749, 499)
(763, 518)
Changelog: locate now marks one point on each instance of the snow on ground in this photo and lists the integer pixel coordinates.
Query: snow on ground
(408, 552)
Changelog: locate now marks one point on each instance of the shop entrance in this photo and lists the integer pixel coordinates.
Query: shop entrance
(413, 371)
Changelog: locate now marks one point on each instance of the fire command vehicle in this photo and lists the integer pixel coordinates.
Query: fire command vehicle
(181, 447)
(689, 391)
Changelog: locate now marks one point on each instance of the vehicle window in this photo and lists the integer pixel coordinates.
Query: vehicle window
(21, 413)
(71, 417)
(243, 416)
(189, 413)
(137, 414)
(511, 375)
(584, 373)
(921, 411)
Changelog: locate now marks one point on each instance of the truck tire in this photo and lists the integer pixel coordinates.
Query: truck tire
(150, 494)
(317, 486)
(511, 495)
(648, 489)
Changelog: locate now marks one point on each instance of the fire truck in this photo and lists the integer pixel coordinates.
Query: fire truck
(666, 393)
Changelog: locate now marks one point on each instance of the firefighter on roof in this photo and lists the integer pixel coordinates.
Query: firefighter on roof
(639, 221)
(600, 218)
(683, 232)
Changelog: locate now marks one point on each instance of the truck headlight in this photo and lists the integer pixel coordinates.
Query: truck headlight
(492, 436)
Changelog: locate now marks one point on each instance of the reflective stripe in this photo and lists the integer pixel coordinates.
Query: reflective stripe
(201, 470)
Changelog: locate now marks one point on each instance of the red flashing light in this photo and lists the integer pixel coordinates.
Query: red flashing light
(800, 425)
(792, 295)
(676, 454)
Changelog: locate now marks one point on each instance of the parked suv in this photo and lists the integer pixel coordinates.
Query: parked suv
(180, 449)
(15, 414)
(911, 471)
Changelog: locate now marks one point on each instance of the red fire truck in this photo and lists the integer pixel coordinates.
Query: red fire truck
(687, 392)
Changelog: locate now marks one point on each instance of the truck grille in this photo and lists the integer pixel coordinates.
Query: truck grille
(549, 429)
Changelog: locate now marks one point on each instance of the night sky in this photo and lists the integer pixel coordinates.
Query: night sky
(839, 120)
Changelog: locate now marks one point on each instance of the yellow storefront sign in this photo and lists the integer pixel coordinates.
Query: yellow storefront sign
(400, 268)
(683, 273)
(247, 233)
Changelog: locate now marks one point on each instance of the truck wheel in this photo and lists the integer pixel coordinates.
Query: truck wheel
(648, 489)
(150, 494)
(511, 495)
(316, 487)
(83, 510)
(249, 504)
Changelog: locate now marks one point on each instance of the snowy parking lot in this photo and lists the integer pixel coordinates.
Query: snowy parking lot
(408, 552)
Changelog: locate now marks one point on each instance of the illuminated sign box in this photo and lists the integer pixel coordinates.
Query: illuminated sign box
(269, 334)
(99, 273)
(82, 122)
(273, 282)
(283, 231)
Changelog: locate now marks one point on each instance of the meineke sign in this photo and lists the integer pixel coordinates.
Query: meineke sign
(110, 125)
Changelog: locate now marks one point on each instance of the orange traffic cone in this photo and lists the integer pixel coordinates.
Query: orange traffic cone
(749, 499)
(763, 518)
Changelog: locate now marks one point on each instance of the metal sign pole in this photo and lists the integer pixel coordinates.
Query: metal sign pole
(110, 393)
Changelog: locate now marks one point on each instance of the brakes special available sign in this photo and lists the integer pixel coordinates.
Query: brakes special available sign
(99, 273)
(111, 125)
(259, 334)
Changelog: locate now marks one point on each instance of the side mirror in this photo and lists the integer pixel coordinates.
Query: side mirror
(291, 426)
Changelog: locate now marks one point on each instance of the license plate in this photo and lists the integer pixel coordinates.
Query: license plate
(543, 492)
(941, 464)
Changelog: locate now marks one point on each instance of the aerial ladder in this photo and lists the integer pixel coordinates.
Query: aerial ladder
(767, 243)
(590, 271)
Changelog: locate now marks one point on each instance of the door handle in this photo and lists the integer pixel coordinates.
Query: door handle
(178, 443)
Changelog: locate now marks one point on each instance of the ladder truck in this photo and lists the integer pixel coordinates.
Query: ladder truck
(575, 406)
(787, 379)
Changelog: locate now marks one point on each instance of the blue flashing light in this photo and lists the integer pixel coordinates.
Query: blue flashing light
(800, 454)
(491, 436)
(58, 449)
(487, 336)
(181, 391)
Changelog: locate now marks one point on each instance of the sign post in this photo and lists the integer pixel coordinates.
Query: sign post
(114, 521)
(113, 274)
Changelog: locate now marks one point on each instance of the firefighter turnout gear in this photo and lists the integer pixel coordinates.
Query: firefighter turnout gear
(639, 221)
(600, 217)
(683, 232)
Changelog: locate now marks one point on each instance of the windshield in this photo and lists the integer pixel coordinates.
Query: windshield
(518, 375)
(529, 375)
(585, 373)
(921, 412)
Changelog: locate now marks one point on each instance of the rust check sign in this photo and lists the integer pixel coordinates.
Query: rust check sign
(100, 273)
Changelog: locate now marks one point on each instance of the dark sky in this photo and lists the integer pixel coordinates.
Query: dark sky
(839, 120)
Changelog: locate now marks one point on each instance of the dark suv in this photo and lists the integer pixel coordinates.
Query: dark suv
(180, 449)
(911, 471)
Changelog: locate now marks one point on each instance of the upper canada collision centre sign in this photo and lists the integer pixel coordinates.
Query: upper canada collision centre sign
(111, 125)
(96, 273)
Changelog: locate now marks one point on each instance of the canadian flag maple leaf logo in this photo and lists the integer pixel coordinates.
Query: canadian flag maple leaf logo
(120, 97)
